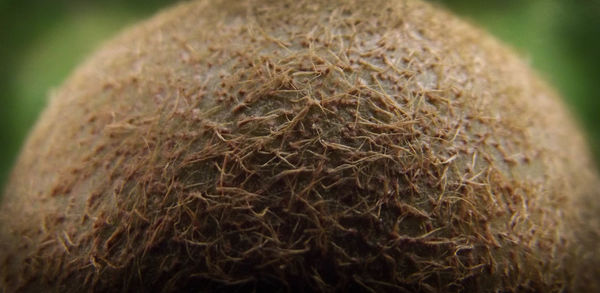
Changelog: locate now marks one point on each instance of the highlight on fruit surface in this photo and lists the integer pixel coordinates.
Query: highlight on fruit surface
(302, 146)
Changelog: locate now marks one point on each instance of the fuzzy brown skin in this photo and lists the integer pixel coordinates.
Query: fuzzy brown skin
(302, 145)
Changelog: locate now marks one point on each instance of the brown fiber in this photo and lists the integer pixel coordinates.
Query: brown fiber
(297, 146)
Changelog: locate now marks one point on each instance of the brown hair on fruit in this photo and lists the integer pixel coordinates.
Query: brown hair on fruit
(302, 145)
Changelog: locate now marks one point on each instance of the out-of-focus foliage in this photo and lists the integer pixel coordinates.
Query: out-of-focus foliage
(42, 41)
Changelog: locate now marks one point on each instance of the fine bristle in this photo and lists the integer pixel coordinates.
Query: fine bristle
(302, 146)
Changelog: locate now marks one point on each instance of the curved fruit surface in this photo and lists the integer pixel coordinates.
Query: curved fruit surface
(302, 145)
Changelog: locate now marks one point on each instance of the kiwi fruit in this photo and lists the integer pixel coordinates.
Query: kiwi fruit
(381, 146)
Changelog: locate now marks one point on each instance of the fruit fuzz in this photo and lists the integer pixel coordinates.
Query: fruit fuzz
(302, 146)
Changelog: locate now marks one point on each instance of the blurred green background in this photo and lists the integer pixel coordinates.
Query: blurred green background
(42, 41)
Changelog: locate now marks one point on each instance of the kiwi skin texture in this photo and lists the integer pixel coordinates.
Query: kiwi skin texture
(302, 146)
